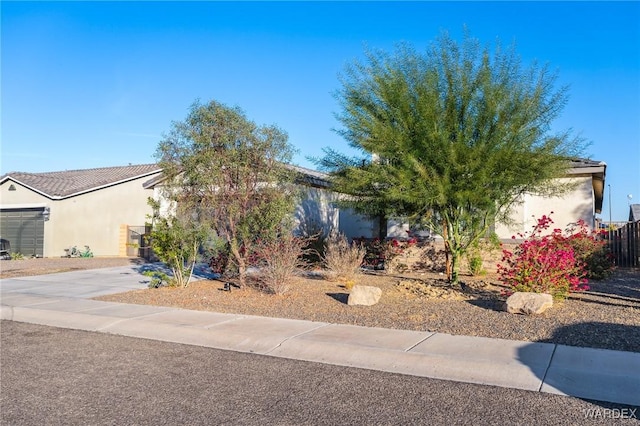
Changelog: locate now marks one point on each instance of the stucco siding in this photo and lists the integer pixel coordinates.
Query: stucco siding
(94, 218)
(567, 209)
(21, 195)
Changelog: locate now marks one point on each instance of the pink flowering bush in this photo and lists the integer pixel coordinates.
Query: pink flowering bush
(545, 263)
(590, 247)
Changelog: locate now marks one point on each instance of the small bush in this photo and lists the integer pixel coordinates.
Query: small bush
(158, 279)
(17, 256)
(379, 254)
(475, 265)
(343, 260)
(279, 261)
(485, 246)
(591, 250)
(544, 264)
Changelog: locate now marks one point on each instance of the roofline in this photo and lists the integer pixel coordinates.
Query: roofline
(51, 197)
(23, 206)
(75, 194)
(321, 177)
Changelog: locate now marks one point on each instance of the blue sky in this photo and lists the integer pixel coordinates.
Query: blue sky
(96, 84)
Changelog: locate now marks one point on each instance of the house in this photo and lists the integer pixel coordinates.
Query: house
(634, 213)
(316, 210)
(42, 214)
(583, 201)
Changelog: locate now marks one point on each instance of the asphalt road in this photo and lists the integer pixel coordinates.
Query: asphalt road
(56, 376)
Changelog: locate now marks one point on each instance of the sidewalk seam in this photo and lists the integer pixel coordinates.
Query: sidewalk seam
(546, 370)
(423, 340)
(106, 327)
(297, 335)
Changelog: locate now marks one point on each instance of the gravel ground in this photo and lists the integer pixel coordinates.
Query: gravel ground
(607, 316)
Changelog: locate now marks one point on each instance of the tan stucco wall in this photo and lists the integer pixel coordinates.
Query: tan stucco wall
(24, 197)
(93, 218)
(567, 209)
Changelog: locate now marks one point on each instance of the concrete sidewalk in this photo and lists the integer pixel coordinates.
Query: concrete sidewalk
(62, 300)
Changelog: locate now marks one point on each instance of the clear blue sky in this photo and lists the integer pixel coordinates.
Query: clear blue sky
(94, 84)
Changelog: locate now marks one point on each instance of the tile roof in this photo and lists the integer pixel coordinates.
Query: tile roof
(72, 182)
(305, 176)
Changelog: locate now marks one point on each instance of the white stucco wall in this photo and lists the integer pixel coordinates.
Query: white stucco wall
(567, 209)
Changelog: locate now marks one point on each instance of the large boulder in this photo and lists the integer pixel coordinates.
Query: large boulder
(364, 295)
(528, 303)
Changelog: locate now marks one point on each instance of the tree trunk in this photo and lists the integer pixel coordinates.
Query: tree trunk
(242, 267)
(382, 227)
(453, 277)
(447, 250)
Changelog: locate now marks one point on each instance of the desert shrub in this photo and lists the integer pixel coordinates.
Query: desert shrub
(279, 260)
(17, 256)
(314, 248)
(159, 279)
(343, 260)
(484, 246)
(544, 263)
(590, 249)
(380, 253)
(218, 250)
(475, 265)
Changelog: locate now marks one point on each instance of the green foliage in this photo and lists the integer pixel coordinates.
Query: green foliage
(231, 175)
(482, 247)
(17, 256)
(591, 250)
(175, 240)
(158, 279)
(451, 138)
(475, 265)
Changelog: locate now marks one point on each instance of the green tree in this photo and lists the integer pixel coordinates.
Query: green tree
(176, 239)
(449, 138)
(229, 174)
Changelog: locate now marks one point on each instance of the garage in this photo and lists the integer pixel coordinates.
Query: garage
(24, 229)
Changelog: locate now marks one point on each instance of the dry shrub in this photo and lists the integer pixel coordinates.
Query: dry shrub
(343, 260)
(279, 262)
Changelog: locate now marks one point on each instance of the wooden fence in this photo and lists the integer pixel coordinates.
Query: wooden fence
(624, 245)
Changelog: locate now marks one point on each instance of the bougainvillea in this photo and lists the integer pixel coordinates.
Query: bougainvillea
(546, 262)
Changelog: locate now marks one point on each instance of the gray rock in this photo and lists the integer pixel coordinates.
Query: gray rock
(364, 295)
(528, 303)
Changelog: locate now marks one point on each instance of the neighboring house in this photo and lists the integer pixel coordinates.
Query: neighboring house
(634, 213)
(42, 214)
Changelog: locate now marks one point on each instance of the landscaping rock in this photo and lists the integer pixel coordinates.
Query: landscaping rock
(528, 303)
(364, 295)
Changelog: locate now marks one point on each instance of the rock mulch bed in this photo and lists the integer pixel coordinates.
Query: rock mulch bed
(607, 316)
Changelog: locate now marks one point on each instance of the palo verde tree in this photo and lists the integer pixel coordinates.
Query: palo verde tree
(449, 138)
(230, 175)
